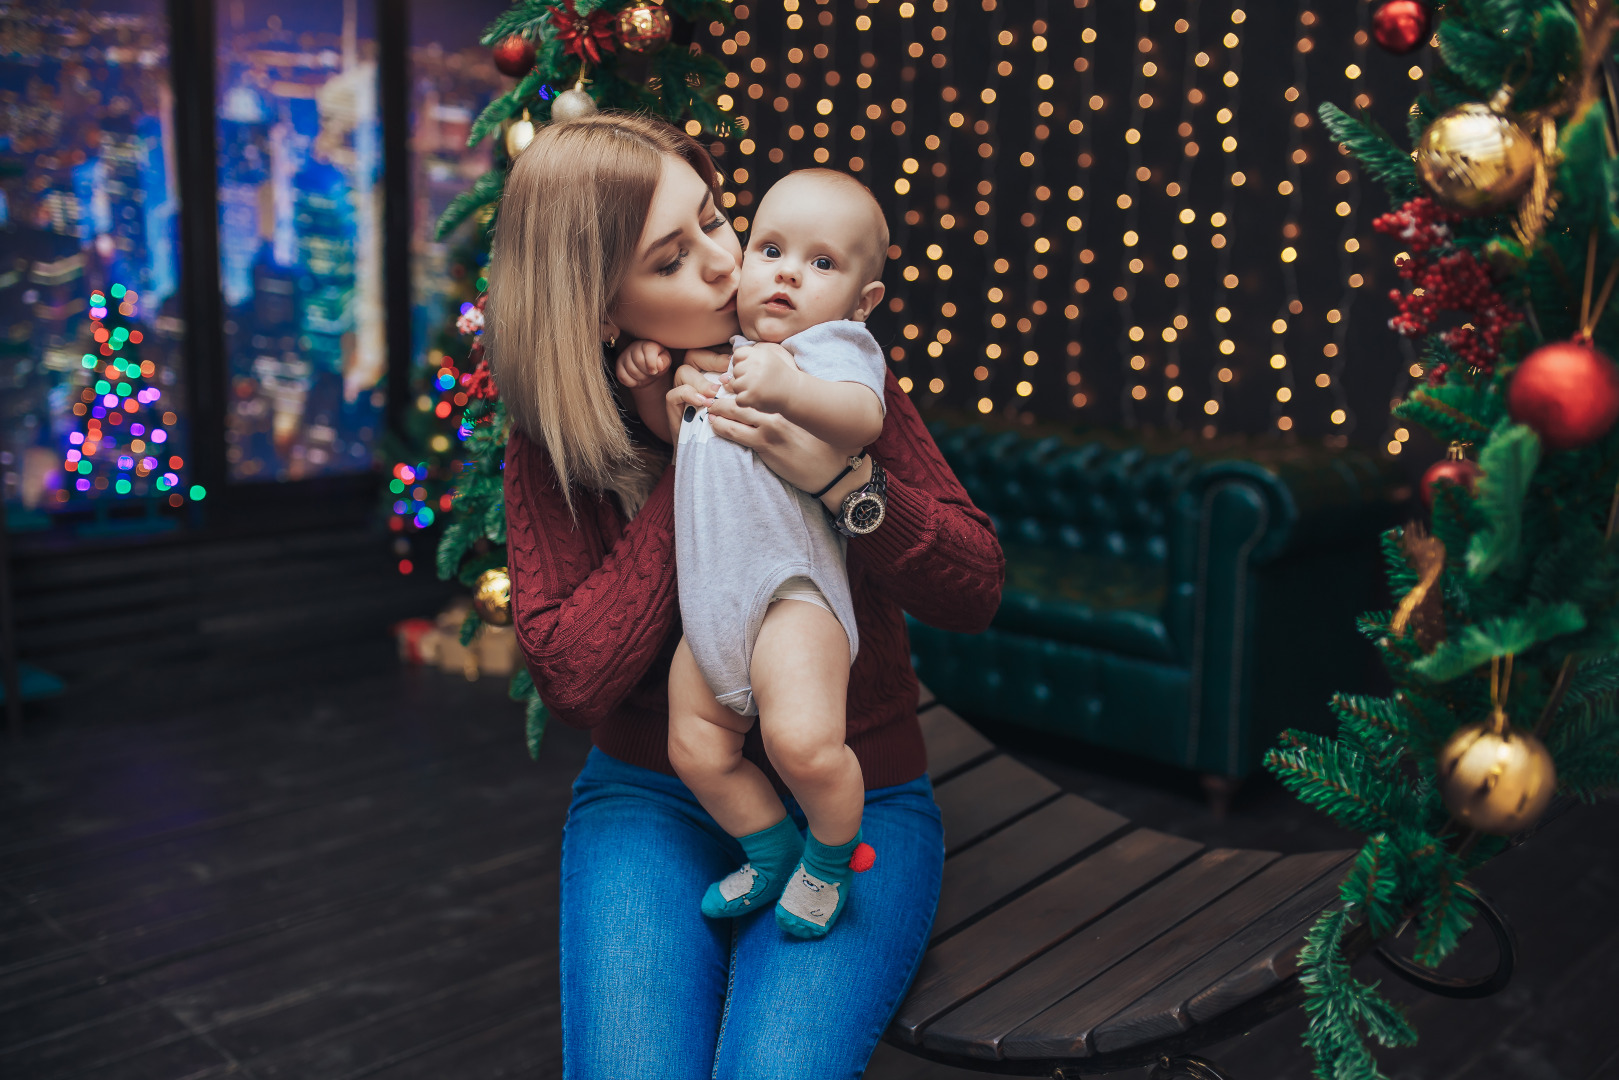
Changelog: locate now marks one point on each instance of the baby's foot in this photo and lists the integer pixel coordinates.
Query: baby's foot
(759, 881)
(818, 890)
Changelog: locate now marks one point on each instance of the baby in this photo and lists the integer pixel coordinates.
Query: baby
(764, 593)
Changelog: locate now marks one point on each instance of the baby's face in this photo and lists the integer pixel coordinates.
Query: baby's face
(807, 261)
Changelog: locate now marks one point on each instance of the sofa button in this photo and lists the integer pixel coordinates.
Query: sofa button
(1041, 692)
(1093, 705)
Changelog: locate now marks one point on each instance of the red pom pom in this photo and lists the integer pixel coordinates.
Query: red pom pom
(1400, 25)
(862, 858)
(1568, 392)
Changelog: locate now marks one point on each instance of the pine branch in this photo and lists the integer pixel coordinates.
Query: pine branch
(1508, 635)
(1454, 411)
(526, 17)
(1508, 461)
(1335, 779)
(534, 718)
(484, 191)
(1373, 148)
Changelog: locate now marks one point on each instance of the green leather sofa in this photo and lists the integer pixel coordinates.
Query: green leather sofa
(1182, 602)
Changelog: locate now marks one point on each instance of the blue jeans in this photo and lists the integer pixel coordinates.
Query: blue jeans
(652, 988)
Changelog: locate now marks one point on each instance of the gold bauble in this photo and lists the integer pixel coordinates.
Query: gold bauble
(1474, 159)
(572, 104)
(519, 133)
(1495, 778)
(492, 597)
(644, 27)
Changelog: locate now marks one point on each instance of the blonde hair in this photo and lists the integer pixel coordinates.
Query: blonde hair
(575, 204)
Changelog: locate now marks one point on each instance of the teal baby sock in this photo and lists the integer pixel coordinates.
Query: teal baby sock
(771, 854)
(819, 887)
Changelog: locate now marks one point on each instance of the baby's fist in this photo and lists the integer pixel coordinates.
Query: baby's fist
(640, 362)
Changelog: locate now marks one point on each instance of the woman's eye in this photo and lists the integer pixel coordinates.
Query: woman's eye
(673, 265)
(716, 223)
(823, 263)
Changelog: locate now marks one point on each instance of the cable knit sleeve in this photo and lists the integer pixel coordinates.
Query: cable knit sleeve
(593, 600)
(935, 553)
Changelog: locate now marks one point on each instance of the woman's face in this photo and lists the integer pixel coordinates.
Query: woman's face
(680, 289)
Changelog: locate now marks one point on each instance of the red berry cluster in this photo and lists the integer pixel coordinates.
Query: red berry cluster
(1444, 278)
(480, 382)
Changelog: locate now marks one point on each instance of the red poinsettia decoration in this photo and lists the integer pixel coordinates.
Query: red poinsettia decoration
(1444, 278)
(585, 36)
(480, 383)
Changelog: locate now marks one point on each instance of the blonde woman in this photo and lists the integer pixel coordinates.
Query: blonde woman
(610, 228)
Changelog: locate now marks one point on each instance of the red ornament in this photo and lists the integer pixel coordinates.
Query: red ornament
(1568, 392)
(1400, 25)
(1455, 470)
(645, 27)
(514, 55)
(585, 36)
(480, 382)
(862, 858)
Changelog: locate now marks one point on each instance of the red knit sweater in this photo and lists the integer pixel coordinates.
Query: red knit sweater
(596, 608)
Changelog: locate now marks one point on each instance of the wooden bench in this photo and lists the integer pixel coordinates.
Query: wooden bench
(1068, 940)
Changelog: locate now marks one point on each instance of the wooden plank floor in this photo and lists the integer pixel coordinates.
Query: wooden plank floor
(357, 878)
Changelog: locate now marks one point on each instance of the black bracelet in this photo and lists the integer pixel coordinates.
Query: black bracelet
(854, 463)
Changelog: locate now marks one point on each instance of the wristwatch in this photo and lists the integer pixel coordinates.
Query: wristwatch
(863, 508)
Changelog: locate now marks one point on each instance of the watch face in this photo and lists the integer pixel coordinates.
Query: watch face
(866, 513)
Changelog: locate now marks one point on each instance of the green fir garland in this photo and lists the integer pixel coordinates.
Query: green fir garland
(1530, 583)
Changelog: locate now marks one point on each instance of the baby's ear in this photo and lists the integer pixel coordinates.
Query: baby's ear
(870, 297)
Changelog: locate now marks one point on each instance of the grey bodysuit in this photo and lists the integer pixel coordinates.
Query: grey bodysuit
(741, 531)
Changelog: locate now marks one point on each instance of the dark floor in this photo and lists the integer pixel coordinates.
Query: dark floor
(356, 877)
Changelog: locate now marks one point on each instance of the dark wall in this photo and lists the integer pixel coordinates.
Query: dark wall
(991, 187)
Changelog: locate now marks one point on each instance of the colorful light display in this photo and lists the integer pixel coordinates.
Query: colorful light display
(124, 446)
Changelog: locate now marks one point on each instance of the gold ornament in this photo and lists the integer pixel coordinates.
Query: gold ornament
(1495, 778)
(645, 27)
(492, 597)
(1474, 159)
(572, 104)
(519, 133)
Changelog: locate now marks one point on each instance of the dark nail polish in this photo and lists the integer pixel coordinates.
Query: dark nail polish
(690, 412)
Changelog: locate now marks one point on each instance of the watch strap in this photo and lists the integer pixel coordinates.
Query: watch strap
(854, 463)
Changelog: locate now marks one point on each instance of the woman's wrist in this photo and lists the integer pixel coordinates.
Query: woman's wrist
(833, 499)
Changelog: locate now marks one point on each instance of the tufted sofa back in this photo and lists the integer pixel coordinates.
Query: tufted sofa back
(1084, 496)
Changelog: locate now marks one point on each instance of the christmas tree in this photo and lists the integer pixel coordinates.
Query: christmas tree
(571, 58)
(120, 445)
(1504, 644)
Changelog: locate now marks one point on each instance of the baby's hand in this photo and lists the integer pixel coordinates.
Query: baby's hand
(765, 377)
(641, 362)
(715, 360)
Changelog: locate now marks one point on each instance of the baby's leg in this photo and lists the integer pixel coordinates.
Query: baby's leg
(800, 678)
(705, 749)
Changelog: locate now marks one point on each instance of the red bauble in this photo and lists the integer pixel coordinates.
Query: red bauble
(1567, 392)
(1400, 25)
(861, 858)
(514, 55)
(1454, 470)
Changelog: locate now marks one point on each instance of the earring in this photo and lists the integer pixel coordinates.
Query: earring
(612, 341)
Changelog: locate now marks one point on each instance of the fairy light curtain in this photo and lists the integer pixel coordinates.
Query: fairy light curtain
(1110, 214)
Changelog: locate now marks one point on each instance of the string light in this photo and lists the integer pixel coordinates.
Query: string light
(983, 157)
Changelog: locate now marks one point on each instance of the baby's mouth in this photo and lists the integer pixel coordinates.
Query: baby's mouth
(779, 303)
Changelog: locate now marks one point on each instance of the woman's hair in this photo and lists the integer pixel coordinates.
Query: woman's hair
(575, 203)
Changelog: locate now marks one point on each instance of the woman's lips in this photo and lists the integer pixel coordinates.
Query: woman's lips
(729, 306)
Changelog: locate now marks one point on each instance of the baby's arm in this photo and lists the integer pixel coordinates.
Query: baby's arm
(843, 414)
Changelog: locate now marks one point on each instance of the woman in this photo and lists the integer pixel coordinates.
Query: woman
(608, 228)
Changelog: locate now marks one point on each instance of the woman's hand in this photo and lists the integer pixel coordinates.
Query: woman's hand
(787, 450)
(692, 389)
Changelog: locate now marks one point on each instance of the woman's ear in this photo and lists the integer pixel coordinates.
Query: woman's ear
(609, 331)
(870, 297)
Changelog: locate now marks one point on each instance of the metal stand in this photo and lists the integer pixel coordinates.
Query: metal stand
(1506, 948)
(1195, 1068)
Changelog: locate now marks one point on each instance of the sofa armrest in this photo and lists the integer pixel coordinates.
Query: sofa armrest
(1230, 521)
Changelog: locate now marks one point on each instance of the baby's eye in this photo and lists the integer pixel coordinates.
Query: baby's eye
(823, 263)
(771, 251)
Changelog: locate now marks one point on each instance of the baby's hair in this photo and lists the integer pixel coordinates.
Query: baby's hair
(841, 177)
